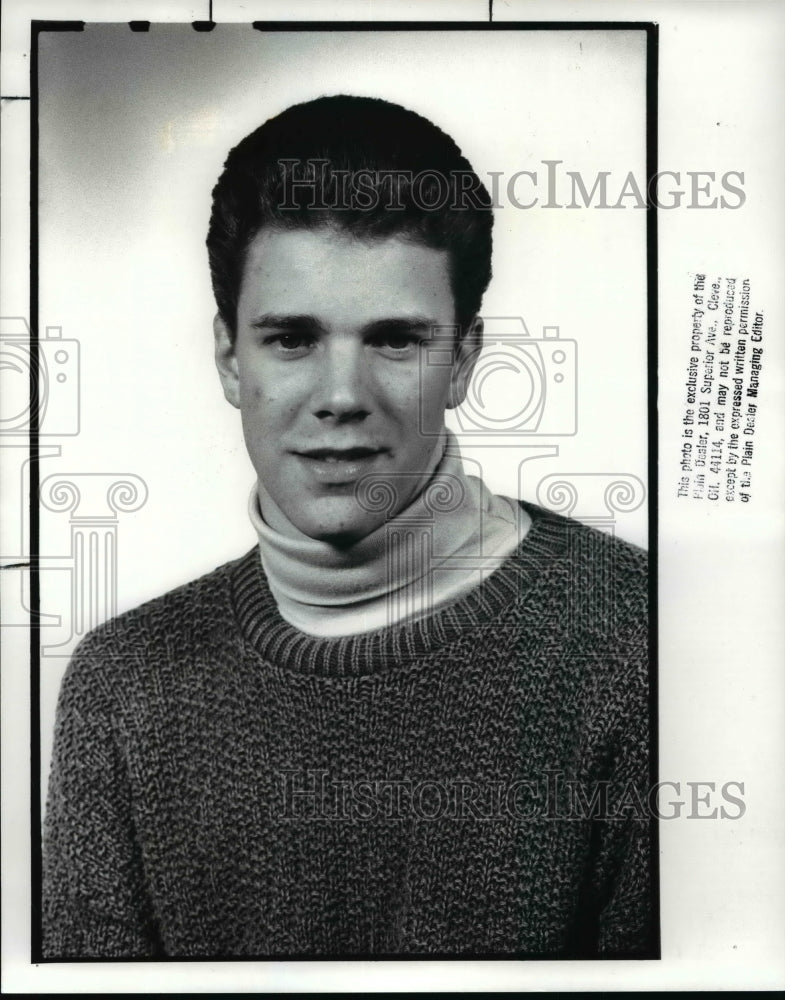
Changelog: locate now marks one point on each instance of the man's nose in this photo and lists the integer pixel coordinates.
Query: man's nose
(343, 389)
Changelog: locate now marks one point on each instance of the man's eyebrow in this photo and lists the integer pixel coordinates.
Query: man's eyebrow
(280, 321)
(300, 322)
(401, 324)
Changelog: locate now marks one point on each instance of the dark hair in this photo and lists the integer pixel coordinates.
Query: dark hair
(360, 164)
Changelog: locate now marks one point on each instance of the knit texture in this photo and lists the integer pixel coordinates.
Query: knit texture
(224, 785)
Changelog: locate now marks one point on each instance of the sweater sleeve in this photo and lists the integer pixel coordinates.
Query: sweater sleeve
(624, 889)
(626, 923)
(94, 903)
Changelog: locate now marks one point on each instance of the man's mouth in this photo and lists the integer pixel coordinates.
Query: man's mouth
(340, 454)
(339, 467)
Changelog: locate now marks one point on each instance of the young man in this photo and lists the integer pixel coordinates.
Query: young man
(412, 720)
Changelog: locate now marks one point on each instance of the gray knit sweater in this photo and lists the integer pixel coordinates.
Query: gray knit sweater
(473, 783)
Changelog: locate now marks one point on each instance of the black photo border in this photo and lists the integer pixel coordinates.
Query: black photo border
(651, 29)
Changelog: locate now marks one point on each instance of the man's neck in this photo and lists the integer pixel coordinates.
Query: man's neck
(426, 555)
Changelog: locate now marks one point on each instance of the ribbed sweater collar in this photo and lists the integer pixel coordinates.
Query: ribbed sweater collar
(500, 599)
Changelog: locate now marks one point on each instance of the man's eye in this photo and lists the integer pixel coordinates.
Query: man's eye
(291, 342)
(397, 342)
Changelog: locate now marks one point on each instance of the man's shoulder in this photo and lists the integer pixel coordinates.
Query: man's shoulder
(592, 598)
(585, 541)
(186, 613)
(603, 578)
(600, 533)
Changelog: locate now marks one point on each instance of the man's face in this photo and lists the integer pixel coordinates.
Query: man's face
(325, 369)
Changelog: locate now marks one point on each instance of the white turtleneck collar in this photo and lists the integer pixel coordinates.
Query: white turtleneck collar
(453, 534)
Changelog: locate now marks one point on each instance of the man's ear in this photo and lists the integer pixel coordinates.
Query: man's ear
(226, 361)
(466, 354)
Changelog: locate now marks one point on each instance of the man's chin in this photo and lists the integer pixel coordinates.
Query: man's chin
(339, 536)
(341, 539)
(340, 528)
